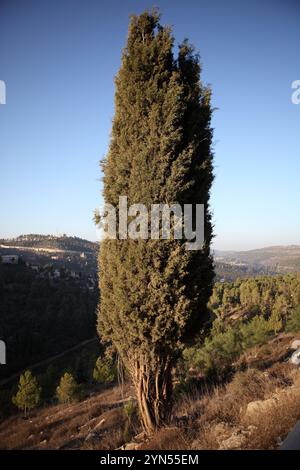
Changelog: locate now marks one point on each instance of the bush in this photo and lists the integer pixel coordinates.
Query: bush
(68, 390)
(105, 371)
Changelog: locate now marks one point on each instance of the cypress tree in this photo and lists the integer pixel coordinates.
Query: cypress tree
(154, 293)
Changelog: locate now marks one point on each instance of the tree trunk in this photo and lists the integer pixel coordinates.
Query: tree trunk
(154, 394)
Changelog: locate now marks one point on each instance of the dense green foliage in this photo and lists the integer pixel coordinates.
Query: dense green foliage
(29, 393)
(221, 349)
(154, 292)
(40, 317)
(264, 294)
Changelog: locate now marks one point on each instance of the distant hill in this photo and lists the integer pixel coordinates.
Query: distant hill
(277, 259)
(72, 253)
(81, 255)
(52, 242)
(230, 272)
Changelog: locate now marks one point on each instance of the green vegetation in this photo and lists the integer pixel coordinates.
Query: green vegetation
(105, 370)
(68, 390)
(41, 318)
(268, 305)
(221, 349)
(29, 393)
(265, 294)
(154, 293)
(293, 322)
(131, 412)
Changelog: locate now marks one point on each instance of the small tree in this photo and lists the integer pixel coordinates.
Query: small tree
(105, 371)
(293, 322)
(68, 389)
(29, 393)
(275, 321)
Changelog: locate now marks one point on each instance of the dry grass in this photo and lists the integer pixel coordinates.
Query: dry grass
(66, 426)
(168, 438)
(272, 426)
(207, 418)
(225, 423)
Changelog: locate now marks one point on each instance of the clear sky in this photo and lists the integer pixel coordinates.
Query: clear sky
(58, 59)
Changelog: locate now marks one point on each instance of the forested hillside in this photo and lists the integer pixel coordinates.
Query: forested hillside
(41, 317)
(263, 294)
(245, 314)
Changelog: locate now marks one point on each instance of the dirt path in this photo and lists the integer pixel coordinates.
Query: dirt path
(47, 361)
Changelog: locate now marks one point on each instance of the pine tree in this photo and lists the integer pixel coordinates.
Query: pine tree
(68, 389)
(154, 293)
(29, 393)
(275, 321)
(104, 371)
(293, 322)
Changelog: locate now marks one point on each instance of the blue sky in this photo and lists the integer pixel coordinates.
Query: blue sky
(58, 60)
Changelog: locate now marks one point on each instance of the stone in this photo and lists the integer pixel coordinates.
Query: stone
(295, 344)
(295, 358)
(234, 442)
(259, 406)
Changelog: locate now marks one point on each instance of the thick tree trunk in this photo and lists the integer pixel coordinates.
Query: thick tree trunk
(154, 394)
